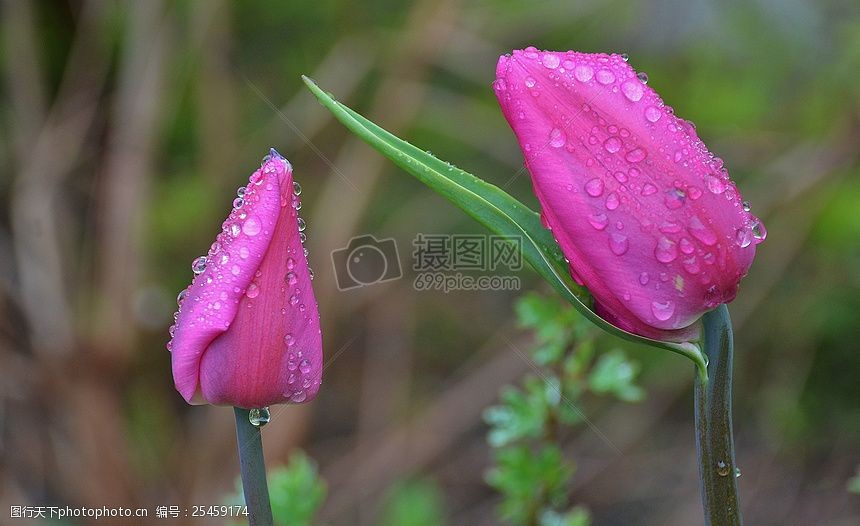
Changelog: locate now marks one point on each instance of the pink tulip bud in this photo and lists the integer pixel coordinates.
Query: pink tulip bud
(647, 216)
(247, 332)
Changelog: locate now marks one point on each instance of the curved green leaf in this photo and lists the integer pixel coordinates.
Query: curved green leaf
(493, 208)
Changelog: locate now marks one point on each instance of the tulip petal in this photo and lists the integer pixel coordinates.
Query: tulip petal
(278, 322)
(648, 218)
(224, 348)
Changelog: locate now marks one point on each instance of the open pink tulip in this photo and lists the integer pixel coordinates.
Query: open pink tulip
(648, 218)
(247, 332)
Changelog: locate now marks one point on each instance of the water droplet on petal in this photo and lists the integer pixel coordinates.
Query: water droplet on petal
(643, 77)
(685, 246)
(181, 296)
(743, 237)
(632, 90)
(235, 229)
(253, 290)
(605, 76)
(297, 188)
(302, 224)
(244, 252)
(598, 221)
(294, 299)
(618, 243)
(747, 206)
(621, 177)
(649, 189)
(699, 231)
(551, 61)
(310, 273)
(252, 226)
(235, 270)
(291, 263)
(635, 155)
(662, 310)
(291, 278)
(198, 265)
(557, 138)
(652, 114)
(530, 82)
(594, 187)
(715, 184)
(259, 417)
(612, 144)
(299, 397)
(305, 366)
(759, 232)
(644, 278)
(238, 202)
(666, 250)
(583, 73)
(612, 201)
(240, 191)
(625, 57)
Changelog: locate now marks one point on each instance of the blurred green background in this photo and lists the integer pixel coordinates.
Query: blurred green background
(126, 127)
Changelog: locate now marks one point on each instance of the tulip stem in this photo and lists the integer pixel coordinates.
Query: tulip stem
(253, 469)
(713, 415)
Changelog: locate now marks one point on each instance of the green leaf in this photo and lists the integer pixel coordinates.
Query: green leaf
(296, 491)
(575, 517)
(413, 503)
(614, 373)
(493, 208)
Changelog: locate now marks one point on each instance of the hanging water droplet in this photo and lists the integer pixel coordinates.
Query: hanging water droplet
(302, 224)
(737, 473)
(747, 206)
(259, 417)
(643, 77)
(181, 296)
(625, 57)
(198, 265)
(722, 468)
(240, 191)
(297, 188)
(303, 237)
(235, 229)
(237, 203)
(311, 273)
(758, 231)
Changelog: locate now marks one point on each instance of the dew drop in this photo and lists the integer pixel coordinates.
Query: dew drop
(666, 250)
(259, 417)
(644, 278)
(747, 206)
(244, 252)
(632, 90)
(618, 243)
(662, 310)
(605, 76)
(291, 278)
(699, 231)
(759, 232)
(743, 237)
(635, 155)
(557, 138)
(252, 226)
(612, 144)
(612, 201)
(643, 77)
(583, 73)
(686, 246)
(235, 229)
(652, 114)
(649, 189)
(291, 263)
(625, 57)
(305, 366)
(235, 270)
(294, 299)
(722, 468)
(299, 397)
(253, 290)
(237, 203)
(289, 340)
(594, 187)
(198, 265)
(302, 224)
(530, 82)
(240, 191)
(715, 184)
(181, 296)
(297, 188)
(621, 177)
(551, 61)
(598, 221)
(310, 273)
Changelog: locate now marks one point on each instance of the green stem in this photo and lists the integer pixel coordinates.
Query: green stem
(713, 414)
(253, 469)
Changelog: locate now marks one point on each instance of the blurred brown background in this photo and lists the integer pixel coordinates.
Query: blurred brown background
(126, 126)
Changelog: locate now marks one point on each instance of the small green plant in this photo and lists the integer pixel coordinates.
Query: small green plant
(296, 491)
(528, 428)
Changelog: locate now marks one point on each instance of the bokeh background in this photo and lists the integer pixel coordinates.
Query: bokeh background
(126, 127)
